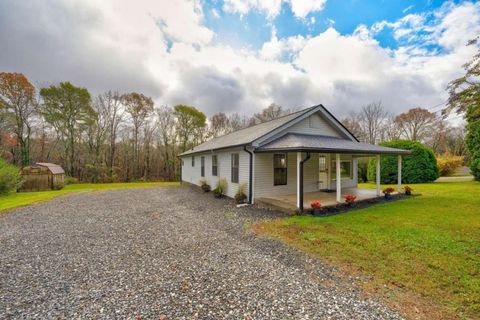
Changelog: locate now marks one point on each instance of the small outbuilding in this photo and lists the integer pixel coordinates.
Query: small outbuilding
(43, 176)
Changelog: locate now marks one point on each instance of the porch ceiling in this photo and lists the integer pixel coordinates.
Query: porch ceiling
(295, 142)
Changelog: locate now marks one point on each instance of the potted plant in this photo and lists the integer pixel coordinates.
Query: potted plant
(220, 188)
(408, 190)
(204, 185)
(350, 199)
(315, 205)
(240, 196)
(388, 192)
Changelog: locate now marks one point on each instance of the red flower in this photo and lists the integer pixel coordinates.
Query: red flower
(316, 205)
(388, 190)
(350, 198)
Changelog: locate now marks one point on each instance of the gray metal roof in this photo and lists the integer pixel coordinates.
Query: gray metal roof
(306, 142)
(247, 135)
(54, 168)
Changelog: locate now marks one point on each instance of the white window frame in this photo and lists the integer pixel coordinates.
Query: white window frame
(334, 168)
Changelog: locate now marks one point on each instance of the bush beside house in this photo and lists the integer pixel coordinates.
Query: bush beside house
(419, 167)
(10, 178)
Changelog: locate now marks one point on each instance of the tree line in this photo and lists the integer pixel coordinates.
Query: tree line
(109, 137)
(374, 124)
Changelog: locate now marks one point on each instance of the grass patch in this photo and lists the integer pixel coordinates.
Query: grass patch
(423, 252)
(20, 199)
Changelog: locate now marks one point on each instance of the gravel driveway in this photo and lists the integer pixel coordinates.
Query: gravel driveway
(170, 252)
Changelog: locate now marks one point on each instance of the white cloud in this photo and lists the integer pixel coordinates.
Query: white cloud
(269, 7)
(215, 13)
(163, 49)
(410, 7)
(301, 8)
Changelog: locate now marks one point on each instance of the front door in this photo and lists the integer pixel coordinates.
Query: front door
(323, 180)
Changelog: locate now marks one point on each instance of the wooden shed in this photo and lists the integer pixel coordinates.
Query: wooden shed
(43, 176)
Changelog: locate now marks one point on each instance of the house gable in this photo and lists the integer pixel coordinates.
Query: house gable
(317, 122)
(314, 124)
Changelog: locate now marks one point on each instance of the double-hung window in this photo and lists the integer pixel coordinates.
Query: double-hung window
(235, 163)
(214, 165)
(345, 169)
(279, 169)
(202, 166)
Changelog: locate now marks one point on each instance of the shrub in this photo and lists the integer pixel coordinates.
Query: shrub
(315, 205)
(448, 164)
(58, 185)
(10, 177)
(475, 168)
(70, 180)
(350, 199)
(204, 185)
(418, 167)
(221, 187)
(472, 139)
(362, 170)
(240, 196)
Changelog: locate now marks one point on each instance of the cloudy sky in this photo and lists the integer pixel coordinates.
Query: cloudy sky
(241, 55)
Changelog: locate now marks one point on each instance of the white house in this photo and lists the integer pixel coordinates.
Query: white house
(303, 152)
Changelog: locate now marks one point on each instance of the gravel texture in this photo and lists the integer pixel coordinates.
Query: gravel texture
(162, 253)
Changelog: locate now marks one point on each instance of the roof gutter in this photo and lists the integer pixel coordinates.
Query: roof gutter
(250, 175)
(301, 181)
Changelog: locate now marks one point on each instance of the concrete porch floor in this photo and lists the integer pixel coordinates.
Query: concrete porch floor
(288, 203)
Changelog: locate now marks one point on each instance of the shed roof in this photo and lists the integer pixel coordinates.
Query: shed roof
(307, 142)
(54, 168)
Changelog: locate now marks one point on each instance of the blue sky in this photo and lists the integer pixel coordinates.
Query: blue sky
(254, 28)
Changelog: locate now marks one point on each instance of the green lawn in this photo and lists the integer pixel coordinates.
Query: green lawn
(25, 198)
(421, 253)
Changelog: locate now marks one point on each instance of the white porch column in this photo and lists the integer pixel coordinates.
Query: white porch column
(338, 177)
(299, 159)
(378, 175)
(399, 186)
(355, 170)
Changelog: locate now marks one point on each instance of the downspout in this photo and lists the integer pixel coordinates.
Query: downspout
(250, 175)
(301, 180)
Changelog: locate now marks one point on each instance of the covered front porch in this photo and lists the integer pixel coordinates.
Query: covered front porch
(324, 169)
(288, 203)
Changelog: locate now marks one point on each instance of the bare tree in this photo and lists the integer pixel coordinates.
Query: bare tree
(111, 103)
(416, 124)
(220, 124)
(139, 107)
(372, 118)
(352, 123)
(167, 133)
(390, 130)
(271, 112)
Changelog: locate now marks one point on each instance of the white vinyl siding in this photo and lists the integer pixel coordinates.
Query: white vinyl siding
(192, 174)
(264, 184)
